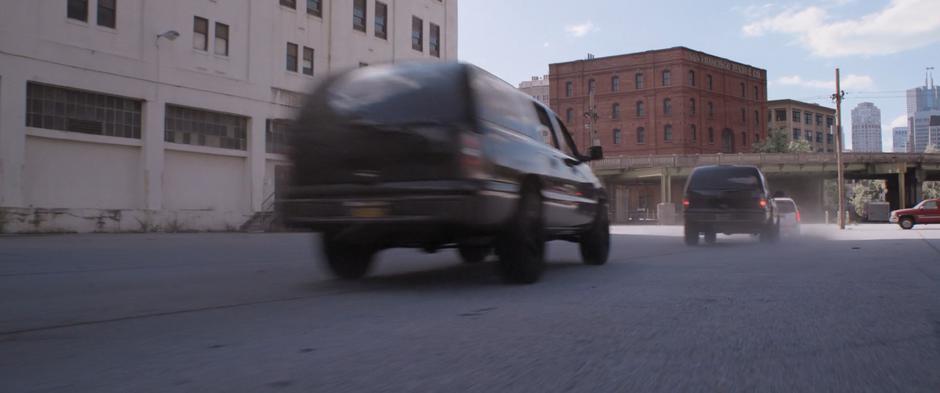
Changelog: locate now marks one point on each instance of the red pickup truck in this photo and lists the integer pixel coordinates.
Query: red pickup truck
(926, 212)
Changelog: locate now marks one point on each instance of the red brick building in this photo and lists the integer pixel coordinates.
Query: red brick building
(669, 101)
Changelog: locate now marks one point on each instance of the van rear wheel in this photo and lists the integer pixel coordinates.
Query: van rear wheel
(346, 260)
(473, 254)
(595, 243)
(691, 234)
(521, 247)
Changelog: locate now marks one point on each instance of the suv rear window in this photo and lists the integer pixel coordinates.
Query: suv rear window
(725, 178)
(502, 104)
(786, 207)
(402, 94)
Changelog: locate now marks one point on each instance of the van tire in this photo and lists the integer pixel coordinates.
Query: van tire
(595, 243)
(521, 246)
(473, 254)
(906, 223)
(691, 234)
(346, 260)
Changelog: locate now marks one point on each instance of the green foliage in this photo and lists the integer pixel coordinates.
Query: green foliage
(865, 191)
(778, 141)
(931, 189)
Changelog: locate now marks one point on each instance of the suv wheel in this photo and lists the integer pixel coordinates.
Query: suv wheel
(906, 223)
(521, 247)
(595, 243)
(473, 254)
(691, 234)
(346, 260)
(771, 233)
(711, 237)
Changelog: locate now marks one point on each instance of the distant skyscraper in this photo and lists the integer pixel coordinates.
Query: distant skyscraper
(900, 135)
(866, 128)
(922, 103)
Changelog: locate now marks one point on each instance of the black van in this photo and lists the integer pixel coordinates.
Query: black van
(728, 199)
(440, 155)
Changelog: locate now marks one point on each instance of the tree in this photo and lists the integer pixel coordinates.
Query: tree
(931, 189)
(932, 149)
(778, 141)
(865, 191)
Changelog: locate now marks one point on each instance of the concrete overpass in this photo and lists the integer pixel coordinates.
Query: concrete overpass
(800, 175)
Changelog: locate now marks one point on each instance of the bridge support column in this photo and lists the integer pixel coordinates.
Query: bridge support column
(902, 188)
(665, 186)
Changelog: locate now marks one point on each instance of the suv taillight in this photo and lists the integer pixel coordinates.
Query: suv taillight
(471, 155)
(798, 216)
(686, 203)
(763, 203)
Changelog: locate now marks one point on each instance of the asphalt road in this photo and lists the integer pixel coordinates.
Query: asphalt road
(852, 312)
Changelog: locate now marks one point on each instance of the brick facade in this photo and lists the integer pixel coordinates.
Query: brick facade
(717, 107)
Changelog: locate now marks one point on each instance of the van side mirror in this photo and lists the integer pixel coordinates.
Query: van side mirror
(595, 153)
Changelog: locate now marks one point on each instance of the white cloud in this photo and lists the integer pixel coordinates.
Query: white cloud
(546, 45)
(849, 82)
(902, 25)
(900, 121)
(581, 29)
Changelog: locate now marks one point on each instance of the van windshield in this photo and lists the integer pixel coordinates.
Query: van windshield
(404, 94)
(725, 179)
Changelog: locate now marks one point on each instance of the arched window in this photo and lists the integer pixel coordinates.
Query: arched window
(691, 106)
(639, 80)
(667, 106)
(711, 135)
(756, 93)
(667, 133)
(667, 78)
(617, 136)
(757, 118)
(743, 90)
(693, 133)
(569, 89)
(711, 109)
(640, 135)
(615, 111)
(569, 116)
(709, 82)
(743, 116)
(640, 109)
(743, 138)
(592, 86)
(756, 137)
(691, 78)
(615, 83)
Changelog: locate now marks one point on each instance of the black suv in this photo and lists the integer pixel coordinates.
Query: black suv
(728, 199)
(439, 155)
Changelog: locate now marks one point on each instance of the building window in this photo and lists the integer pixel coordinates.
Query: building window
(221, 39)
(743, 90)
(797, 116)
(107, 13)
(809, 136)
(201, 34)
(829, 122)
(818, 120)
(78, 10)
(592, 86)
(691, 78)
(667, 107)
(770, 116)
(743, 115)
(617, 136)
(308, 61)
(667, 133)
(711, 135)
(756, 93)
(743, 138)
(291, 57)
(692, 106)
(434, 45)
(819, 137)
(640, 135)
(711, 110)
(780, 115)
(808, 117)
(292, 4)
(359, 15)
(693, 132)
(829, 138)
(615, 83)
(639, 80)
(569, 116)
(709, 83)
(315, 7)
(615, 111)
(757, 118)
(275, 136)
(796, 134)
(640, 109)
(381, 20)
(569, 89)
(204, 128)
(59, 108)
(417, 34)
(667, 78)
(756, 137)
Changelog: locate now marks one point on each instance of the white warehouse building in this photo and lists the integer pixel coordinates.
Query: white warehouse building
(143, 115)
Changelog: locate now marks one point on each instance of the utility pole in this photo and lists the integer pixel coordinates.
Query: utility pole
(840, 170)
(591, 118)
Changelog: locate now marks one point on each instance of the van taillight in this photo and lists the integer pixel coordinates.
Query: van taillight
(685, 202)
(471, 156)
(798, 216)
(763, 203)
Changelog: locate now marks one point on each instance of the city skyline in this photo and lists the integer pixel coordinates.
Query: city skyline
(800, 46)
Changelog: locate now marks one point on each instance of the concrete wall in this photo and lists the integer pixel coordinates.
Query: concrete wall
(66, 181)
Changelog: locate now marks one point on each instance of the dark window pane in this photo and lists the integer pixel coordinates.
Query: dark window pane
(289, 3)
(221, 39)
(205, 127)
(201, 33)
(291, 57)
(77, 111)
(308, 61)
(417, 34)
(315, 7)
(435, 41)
(78, 10)
(107, 13)
(359, 15)
(381, 20)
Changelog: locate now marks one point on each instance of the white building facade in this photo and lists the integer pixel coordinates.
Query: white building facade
(537, 88)
(141, 115)
(900, 136)
(866, 128)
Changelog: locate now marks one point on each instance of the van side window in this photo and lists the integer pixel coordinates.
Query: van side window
(503, 105)
(547, 136)
(564, 144)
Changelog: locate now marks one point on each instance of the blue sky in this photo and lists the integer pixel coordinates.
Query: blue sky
(882, 46)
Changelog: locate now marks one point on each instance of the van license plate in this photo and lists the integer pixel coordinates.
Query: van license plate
(368, 212)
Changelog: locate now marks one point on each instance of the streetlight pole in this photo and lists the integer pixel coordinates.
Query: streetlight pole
(840, 169)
